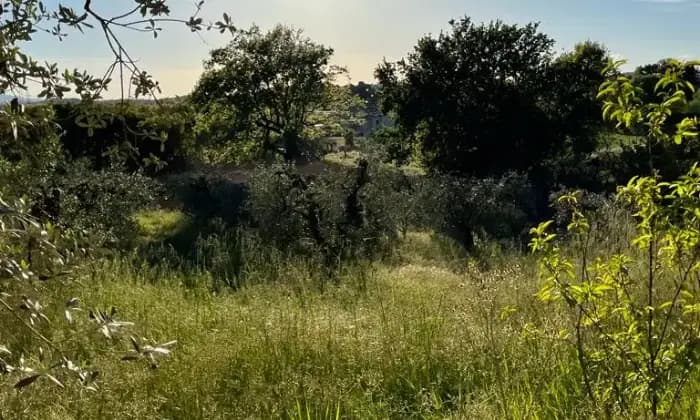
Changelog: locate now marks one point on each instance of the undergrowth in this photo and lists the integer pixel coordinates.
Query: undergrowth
(400, 339)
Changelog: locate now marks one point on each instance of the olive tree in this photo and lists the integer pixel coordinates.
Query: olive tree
(274, 80)
(21, 20)
(33, 250)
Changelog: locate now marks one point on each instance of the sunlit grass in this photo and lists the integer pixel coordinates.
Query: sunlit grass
(417, 340)
(157, 225)
(428, 335)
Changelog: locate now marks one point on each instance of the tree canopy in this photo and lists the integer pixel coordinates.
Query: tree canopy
(273, 80)
(479, 98)
(647, 76)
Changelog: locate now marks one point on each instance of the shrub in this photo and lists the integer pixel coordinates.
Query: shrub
(207, 195)
(393, 145)
(102, 202)
(339, 213)
(69, 192)
(634, 305)
(463, 208)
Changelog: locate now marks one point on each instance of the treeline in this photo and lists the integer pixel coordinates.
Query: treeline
(497, 121)
(482, 100)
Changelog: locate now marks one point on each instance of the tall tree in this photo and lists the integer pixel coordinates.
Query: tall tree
(274, 80)
(573, 80)
(469, 96)
(478, 98)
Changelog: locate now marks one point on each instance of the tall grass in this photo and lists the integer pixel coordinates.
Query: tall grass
(429, 334)
(419, 340)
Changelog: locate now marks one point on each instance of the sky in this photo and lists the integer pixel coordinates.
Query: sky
(364, 32)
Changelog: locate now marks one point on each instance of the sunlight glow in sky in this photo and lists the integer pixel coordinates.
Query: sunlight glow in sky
(363, 32)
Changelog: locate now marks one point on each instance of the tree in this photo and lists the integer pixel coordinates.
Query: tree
(470, 94)
(343, 112)
(643, 154)
(694, 105)
(20, 20)
(477, 99)
(647, 76)
(31, 250)
(274, 81)
(635, 309)
(573, 79)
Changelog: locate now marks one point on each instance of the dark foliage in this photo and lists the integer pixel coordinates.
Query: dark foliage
(66, 192)
(484, 100)
(393, 145)
(340, 214)
(647, 76)
(208, 196)
(154, 138)
(466, 208)
(102, 202)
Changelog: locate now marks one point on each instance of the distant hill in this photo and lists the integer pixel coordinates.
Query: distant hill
(24, 100)
(31, 100)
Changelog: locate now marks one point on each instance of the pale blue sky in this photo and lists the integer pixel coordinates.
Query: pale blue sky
(362, 32)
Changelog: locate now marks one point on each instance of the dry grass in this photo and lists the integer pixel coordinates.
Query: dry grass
(426, 339)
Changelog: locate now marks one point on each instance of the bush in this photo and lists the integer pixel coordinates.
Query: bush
(464, 208)
(66, 192)
(102, 202)
(207, 195)
(340, 214)
(393, 145)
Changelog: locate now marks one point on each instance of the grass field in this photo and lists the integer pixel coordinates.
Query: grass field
(428, 335)
(413, 340)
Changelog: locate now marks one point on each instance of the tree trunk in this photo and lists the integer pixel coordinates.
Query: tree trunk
(291, 145)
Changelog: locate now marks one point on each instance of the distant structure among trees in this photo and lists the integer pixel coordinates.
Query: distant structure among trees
(374, 119)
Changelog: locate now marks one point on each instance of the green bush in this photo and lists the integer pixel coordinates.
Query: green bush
(392, 145)
(467, 208)
(340, 214)
(102, 202)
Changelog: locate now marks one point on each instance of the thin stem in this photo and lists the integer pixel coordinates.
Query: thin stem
(29, 326)
(674, 302)
(583, 362)
(653, 395)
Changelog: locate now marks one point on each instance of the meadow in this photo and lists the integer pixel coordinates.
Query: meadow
(428, 334)
(429, 337)
(492, 228)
